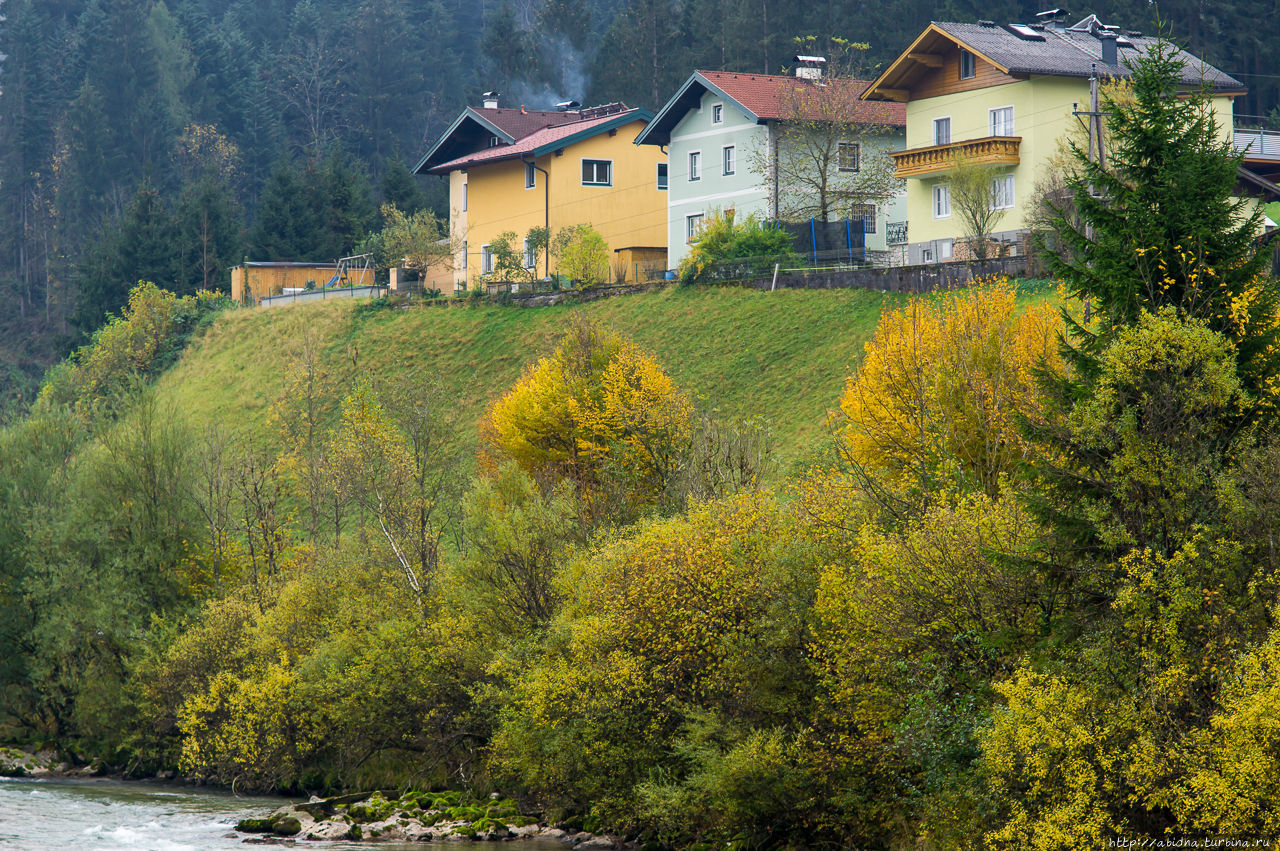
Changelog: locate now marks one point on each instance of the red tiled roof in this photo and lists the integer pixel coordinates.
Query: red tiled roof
(774, 97)
(537, 139)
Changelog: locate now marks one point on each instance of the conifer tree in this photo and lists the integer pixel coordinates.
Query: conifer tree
(1159, 225)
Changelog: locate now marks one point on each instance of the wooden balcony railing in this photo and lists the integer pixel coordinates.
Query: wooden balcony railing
(992, 150)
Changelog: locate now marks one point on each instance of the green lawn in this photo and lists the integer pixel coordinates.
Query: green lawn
(783, 355)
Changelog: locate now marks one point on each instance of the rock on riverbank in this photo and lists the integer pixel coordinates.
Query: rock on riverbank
(16, 762)
(415, 817)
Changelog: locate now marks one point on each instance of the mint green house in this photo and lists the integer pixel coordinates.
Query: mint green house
(722, 132)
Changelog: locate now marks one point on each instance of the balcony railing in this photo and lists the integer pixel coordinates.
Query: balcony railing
(1258, 144)
(992, 150)
(896, 233)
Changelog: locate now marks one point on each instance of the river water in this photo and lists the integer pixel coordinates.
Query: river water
(106, 815)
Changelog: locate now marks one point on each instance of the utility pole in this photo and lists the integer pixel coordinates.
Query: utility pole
(1096, 151)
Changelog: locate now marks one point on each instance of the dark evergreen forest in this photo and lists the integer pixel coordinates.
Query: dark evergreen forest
(166, 141)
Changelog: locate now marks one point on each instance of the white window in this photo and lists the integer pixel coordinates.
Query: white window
(967, 68)
(849, 156)
(945, 249)
(530, 257)
(942, 201)
(1002, 192)
(695, 165)
(486, 260)
(717, 113)
(692, 225)
(942, 131)
(464, 197)
(530, 176)
(867, 213)
(662, 177)
(1002, 121)
(597, 172)
(926, 255)
(464, 256)
(493, 141)
(730, 160)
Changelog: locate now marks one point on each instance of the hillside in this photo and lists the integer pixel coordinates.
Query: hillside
(782, 355)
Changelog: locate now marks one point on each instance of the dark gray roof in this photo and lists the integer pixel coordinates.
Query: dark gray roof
(1074, 53)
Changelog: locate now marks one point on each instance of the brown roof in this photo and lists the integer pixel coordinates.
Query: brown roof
(773, 96)
(533, 143)
(521, 122)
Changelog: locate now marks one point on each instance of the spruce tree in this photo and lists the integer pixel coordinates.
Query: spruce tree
(288, 226)
(1158, 223)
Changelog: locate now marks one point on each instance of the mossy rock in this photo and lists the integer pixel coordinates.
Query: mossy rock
(355, 832)
(254, 825)
(522, 821)
(287, 826)
(468, 831)
(500, 811)
(430, 819)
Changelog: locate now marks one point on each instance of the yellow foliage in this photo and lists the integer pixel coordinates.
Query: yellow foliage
(1232, 781)
(943, 384)
(597, 408)
(1056, 754)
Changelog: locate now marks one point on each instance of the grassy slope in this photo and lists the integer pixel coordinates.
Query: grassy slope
(783, 355)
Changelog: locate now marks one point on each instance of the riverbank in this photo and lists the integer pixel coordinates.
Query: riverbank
(417, 817)
(363, 817)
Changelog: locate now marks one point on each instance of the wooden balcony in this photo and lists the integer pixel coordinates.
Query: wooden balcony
(935, 159)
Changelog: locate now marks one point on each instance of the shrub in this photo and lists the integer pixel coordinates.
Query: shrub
(724, 238)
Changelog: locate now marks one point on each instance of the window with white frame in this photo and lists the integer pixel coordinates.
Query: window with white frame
(1002, 192)
(968, 68)
(942, 131)
(597, 172)
(695, 165)
(486, 260)
(464, 256)
(729, 159)
(662, 177)
(942, 200)
(1002, 121)
(692, 227)
(866, 212)
(849, 156)
(946, 249)
(717, 113)
(464, 197)
(530, 256)
(530, 176)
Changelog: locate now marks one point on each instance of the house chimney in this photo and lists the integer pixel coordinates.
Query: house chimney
(491, 100)
(1108, 41)
(809, 67)
(1052, 19)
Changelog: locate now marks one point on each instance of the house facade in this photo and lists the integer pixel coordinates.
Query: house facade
(722, 132)
(1005, 96)
(511, 170)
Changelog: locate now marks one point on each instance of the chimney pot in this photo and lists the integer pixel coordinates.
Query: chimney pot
(1108, 41)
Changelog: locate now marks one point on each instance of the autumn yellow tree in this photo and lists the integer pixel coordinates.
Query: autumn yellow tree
(942, 386)
(599, 412)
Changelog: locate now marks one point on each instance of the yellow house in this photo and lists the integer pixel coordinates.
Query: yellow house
(1005, 95)
(511, 170)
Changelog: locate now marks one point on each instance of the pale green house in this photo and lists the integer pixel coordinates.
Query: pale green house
(1004, 95)
(720, 130)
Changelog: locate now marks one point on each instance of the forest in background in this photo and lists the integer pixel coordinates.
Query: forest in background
(166, 141)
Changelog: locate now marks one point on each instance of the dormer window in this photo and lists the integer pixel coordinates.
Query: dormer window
(493, 141)
(967, 65)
